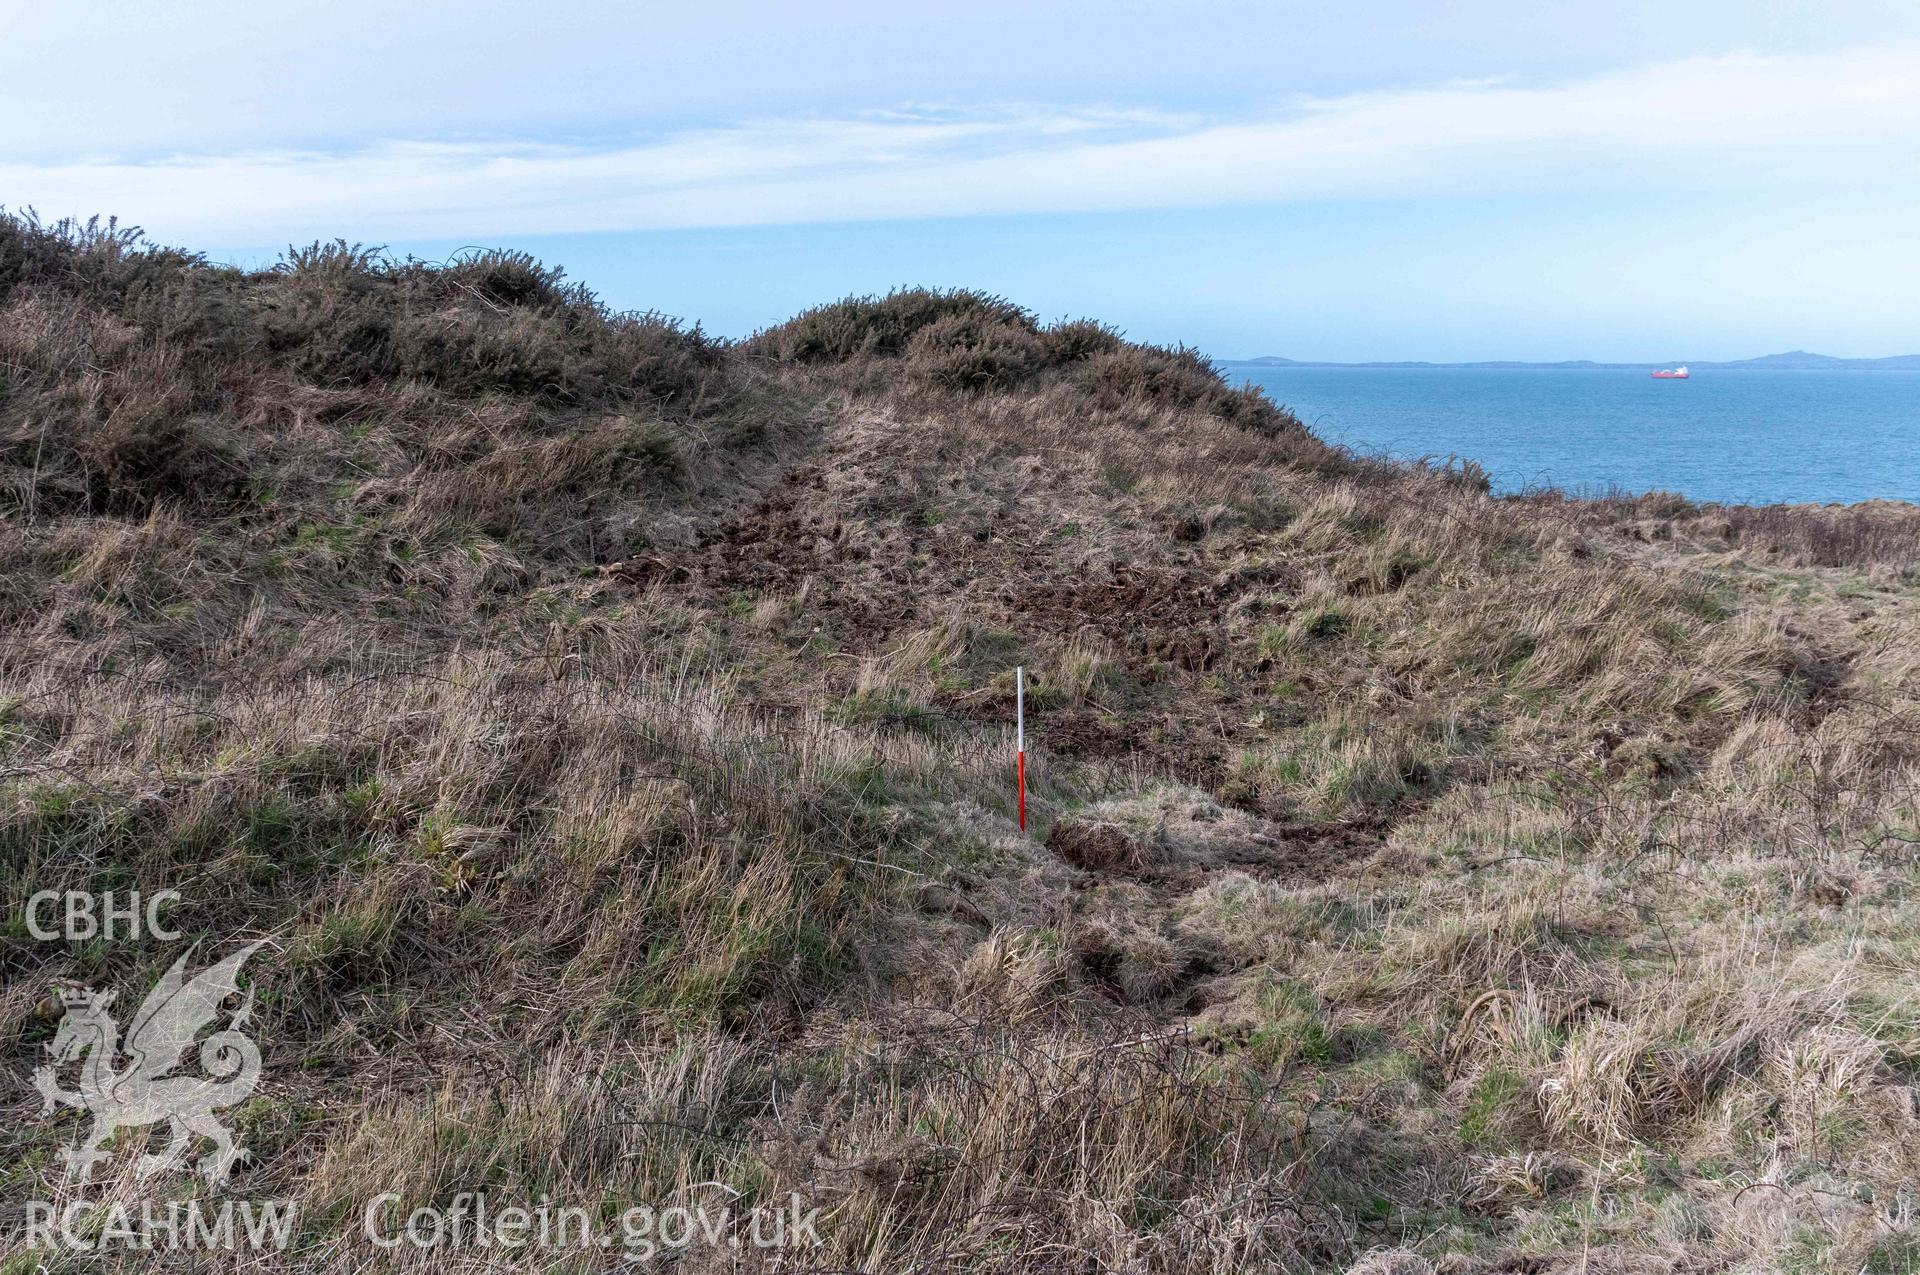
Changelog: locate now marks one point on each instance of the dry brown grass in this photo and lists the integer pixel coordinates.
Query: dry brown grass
(608, 729)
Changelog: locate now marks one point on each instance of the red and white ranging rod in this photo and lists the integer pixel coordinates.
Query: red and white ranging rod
(1020, 738)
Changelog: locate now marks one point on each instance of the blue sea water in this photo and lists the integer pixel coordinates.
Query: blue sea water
(1729, 436)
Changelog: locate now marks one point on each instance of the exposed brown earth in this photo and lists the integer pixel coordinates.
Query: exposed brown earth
(608, 731)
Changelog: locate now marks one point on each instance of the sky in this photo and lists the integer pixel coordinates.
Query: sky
(1411, 180)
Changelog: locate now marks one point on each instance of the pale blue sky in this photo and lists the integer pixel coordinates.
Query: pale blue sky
(1410, 180)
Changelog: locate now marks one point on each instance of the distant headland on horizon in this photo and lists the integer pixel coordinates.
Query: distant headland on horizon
(1792, 361)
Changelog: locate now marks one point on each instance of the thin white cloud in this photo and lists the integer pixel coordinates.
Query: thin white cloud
(1738, 120)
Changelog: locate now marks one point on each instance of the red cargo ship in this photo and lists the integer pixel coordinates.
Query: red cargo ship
(1673, 374)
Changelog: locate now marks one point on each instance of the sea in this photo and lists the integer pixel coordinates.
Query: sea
(1729, 436)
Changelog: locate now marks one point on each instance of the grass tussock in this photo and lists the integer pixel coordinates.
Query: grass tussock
(607, 729)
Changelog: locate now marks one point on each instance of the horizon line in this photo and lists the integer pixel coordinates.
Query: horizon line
(1761, 362)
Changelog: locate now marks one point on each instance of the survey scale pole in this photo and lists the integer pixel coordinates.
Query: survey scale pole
(1020, 739)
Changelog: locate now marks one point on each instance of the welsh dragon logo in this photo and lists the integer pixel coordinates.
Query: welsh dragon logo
(145, 1089)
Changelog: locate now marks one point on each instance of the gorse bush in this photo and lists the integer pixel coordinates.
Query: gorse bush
(336, 260)
(1076, 340)
(981, 349)
(963, 352)
(966, 341)
(1179, 378)
(492, 322)
(513, 278)
(488, 321)
(101, 260)
(884, 326)
(490, 389)
(142, 376)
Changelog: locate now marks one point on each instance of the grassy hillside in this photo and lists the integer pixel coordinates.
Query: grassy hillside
(609, 728)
